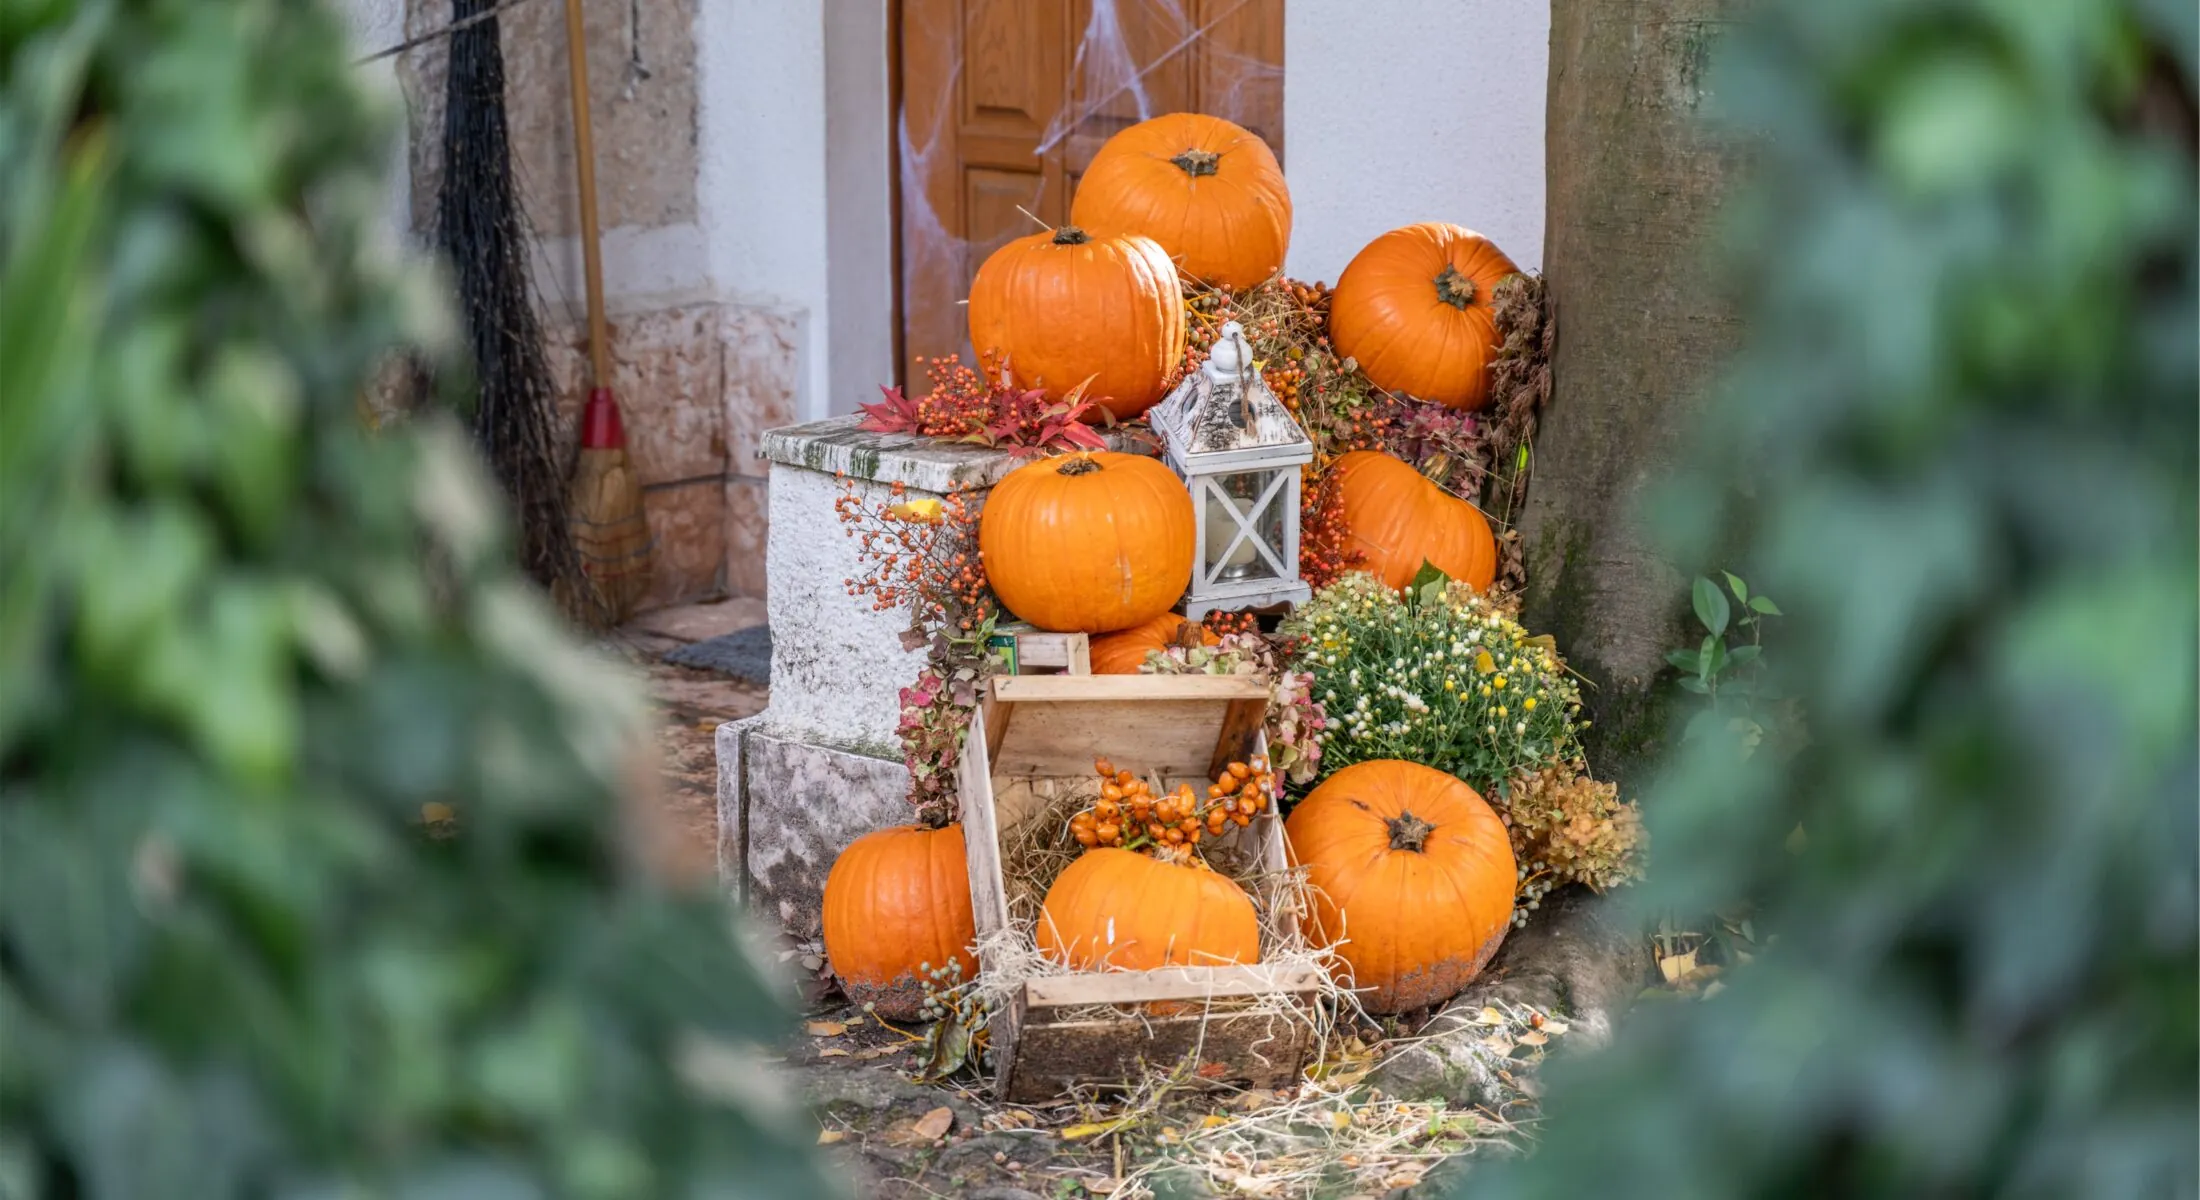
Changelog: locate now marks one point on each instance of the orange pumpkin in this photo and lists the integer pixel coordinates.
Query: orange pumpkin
(1210, 192)
(1410, 869)
(1063, 307)
(1120, 910)
(1414, 308)
(1124, 653)
(1088, 543)
(896, 901)
(1397, 519)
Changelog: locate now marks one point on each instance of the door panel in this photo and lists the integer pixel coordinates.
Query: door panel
(1004, 102)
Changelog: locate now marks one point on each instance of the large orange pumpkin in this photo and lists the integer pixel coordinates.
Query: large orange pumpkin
(1412, 871)
(1120, 910)
(896, 901)
(1088, 543)
(1414, 308)
(1210, 192)
(1124, 653)
(1397, 519)
(1063, 307)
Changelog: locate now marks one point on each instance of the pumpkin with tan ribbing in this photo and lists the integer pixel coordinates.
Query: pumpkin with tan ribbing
(1412, 872)
(1413, 308)
(1088, 543)
(1397, 519)
(1119, 910)
(897, 905)
(1125, 652)
(1209, 191)
(1063, 307)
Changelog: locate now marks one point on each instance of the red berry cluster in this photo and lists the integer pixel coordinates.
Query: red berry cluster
(1325, 544)
(921, 555)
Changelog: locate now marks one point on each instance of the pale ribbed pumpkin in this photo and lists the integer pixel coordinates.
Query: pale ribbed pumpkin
(1124, 653)
(1063, 307)
(896, 901)
(1410, 869)
(1397, 519)
(1120, 910)
(1414, 308)
(1209, 191)
(1088, 543)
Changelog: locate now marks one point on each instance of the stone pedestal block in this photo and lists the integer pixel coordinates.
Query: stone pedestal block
(821, 766)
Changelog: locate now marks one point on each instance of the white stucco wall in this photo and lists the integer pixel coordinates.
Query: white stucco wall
(1397, 111)
(375, 25)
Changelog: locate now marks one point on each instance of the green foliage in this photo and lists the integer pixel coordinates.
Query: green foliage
(1967, 418)
(245, 646)
(1739, 701)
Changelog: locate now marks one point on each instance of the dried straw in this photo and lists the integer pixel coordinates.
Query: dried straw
(1036, 846)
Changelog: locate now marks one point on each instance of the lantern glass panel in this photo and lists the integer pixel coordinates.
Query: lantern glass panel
(1237, 503)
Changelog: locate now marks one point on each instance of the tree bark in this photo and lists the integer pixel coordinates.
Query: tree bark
(1634, 179)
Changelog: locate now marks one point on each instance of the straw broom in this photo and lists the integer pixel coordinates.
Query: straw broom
(610, 528)
(481, 227)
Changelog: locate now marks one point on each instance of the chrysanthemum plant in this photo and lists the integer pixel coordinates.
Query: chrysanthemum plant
(1440, 675)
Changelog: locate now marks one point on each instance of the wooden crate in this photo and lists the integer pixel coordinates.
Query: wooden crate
(1184, 728)
(1030, 651)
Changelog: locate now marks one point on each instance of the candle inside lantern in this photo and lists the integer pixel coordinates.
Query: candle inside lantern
(1223, 512)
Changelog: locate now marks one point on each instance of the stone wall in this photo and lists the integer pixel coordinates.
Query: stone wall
(699, 373)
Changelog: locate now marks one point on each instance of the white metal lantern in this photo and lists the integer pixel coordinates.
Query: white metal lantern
(1239, 451)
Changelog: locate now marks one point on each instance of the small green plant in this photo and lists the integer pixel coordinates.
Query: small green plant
(1727, 671)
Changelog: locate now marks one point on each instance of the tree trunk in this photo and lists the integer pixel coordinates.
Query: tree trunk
(1635, 180)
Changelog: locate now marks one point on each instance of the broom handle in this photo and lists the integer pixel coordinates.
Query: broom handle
(584, 154)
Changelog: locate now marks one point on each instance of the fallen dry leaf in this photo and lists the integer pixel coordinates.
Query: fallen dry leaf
(1093, 1129)
(834, 1052)
(1341, 1119)
(1489, 1016)
(1677, 967)
(826, 1137)
(1213, 1119)
(826, 1028)
(934, 1125)
(1534, 1037)
(872, 1052)
(1102, 1187)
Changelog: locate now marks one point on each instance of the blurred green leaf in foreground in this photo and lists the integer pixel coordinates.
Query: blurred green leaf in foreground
(246, 648)
(1967, 417)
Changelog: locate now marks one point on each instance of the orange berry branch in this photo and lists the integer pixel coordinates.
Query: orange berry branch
(1133, 814)
(921, 556)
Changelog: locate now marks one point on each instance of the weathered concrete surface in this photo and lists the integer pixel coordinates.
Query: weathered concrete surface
(786, 809)
(1581, 960)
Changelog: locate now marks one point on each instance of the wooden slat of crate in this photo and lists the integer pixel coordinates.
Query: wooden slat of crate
(1167, 724)
(1257, 1049)
(1178, 727)
(1037, 650)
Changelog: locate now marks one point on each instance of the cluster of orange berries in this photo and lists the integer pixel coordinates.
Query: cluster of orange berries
(1325, 544)
(1130, 815)
(917, 554)
(961, 400)
(1313, 297)
(1284, 381)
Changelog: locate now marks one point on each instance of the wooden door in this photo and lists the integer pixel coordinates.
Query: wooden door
(1004, 102)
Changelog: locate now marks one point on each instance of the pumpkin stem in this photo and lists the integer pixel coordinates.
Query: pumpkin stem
(1198, 162)
(1408, 832)
(1077, 464)
(1070, 235)
(1454, 289)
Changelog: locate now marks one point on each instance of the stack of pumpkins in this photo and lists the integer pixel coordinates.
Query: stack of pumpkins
(1409, 868)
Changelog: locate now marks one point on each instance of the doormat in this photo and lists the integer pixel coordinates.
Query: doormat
(743, 654)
